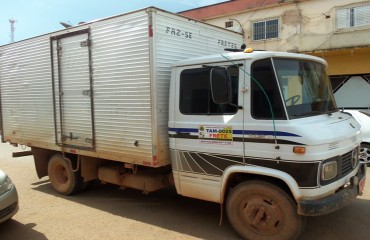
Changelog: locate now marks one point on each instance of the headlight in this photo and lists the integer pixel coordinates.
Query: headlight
(5, 186)
(329, 170)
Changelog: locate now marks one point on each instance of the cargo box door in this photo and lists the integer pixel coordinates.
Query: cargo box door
(73, 84)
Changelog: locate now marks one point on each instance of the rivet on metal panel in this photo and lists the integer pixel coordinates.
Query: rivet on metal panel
(136, 143)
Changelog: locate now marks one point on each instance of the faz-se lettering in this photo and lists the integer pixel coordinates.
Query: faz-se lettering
(178, 32)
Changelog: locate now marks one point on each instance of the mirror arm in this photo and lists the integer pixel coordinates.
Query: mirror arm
(237, 106)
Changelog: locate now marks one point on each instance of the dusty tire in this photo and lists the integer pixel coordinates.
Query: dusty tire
(61, 177)
(365, 153)
(262, 211)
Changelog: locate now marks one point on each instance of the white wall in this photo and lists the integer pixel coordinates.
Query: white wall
(305, 26)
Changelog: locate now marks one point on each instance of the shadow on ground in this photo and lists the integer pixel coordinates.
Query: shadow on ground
(168, 210)
(351, 222)
(11, 230)
(164, 208)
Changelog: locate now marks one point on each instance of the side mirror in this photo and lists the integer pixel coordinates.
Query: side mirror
(221, 86)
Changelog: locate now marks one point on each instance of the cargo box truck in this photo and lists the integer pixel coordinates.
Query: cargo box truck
(150, 99)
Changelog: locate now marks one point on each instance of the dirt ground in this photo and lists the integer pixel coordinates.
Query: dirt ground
(105, 212)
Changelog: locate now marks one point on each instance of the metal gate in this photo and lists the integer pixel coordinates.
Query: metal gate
(73, 98)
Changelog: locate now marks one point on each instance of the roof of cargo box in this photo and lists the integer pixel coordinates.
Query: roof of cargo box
(148, 9)
(236, 56)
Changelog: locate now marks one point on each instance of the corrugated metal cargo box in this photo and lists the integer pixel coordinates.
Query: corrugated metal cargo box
(101, 89)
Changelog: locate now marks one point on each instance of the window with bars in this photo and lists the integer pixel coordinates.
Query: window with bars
(356, 16)
(268, 29)
(229, 24)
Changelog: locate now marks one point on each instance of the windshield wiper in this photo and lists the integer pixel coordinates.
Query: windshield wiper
(307, 114)
(333, 110)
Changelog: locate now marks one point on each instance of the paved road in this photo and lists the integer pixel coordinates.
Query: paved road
(105, 212)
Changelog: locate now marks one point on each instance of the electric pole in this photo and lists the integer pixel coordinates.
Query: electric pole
(12, 29)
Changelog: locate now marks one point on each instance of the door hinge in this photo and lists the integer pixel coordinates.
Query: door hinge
(71, 137)
(85, 43)
(86, 93)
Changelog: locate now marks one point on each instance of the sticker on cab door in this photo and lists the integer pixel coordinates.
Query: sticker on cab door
(215, 134)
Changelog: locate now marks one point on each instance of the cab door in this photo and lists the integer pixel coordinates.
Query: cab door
(206, 137)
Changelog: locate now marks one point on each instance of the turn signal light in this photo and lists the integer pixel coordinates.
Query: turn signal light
(299, 150)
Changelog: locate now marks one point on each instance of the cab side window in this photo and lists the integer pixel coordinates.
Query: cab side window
(196, 96)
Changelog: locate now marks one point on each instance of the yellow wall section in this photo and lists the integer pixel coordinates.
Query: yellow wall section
(346, 61)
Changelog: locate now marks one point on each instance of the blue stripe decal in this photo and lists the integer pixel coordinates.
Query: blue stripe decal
(240, 132)
(267, 133)
(184, 130)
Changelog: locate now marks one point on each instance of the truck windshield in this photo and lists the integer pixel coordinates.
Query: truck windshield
(305, 87)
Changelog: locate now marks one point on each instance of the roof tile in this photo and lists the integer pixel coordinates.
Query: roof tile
(226, 8)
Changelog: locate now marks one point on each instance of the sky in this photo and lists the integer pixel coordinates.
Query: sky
(37, 17)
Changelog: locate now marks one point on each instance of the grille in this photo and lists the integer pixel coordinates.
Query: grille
(8, 210)
(346, 163)
(344, 167)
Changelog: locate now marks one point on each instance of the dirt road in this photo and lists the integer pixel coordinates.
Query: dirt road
(105, 212)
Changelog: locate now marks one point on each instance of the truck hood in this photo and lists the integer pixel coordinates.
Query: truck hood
(337, 128)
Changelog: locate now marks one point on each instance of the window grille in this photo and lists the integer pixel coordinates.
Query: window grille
(268, 29)
(354, 16)
(229, 24)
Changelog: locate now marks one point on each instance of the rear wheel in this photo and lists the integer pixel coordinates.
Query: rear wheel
(365, 153)
(260, 210)
(61, 176)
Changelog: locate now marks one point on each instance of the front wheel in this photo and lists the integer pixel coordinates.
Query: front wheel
(262, 211)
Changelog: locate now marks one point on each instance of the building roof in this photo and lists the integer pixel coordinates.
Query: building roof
(228, 7)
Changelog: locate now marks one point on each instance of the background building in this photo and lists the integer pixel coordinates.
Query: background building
(336, 30)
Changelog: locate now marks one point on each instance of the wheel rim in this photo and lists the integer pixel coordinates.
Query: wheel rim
(61, 175)
(261, 214)
(365, 154)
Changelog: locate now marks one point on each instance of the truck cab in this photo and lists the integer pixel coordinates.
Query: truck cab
(248, 124)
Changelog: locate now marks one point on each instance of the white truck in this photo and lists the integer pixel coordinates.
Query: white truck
(150, 99)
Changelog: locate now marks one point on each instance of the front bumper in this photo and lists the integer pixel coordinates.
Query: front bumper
(336, 201)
